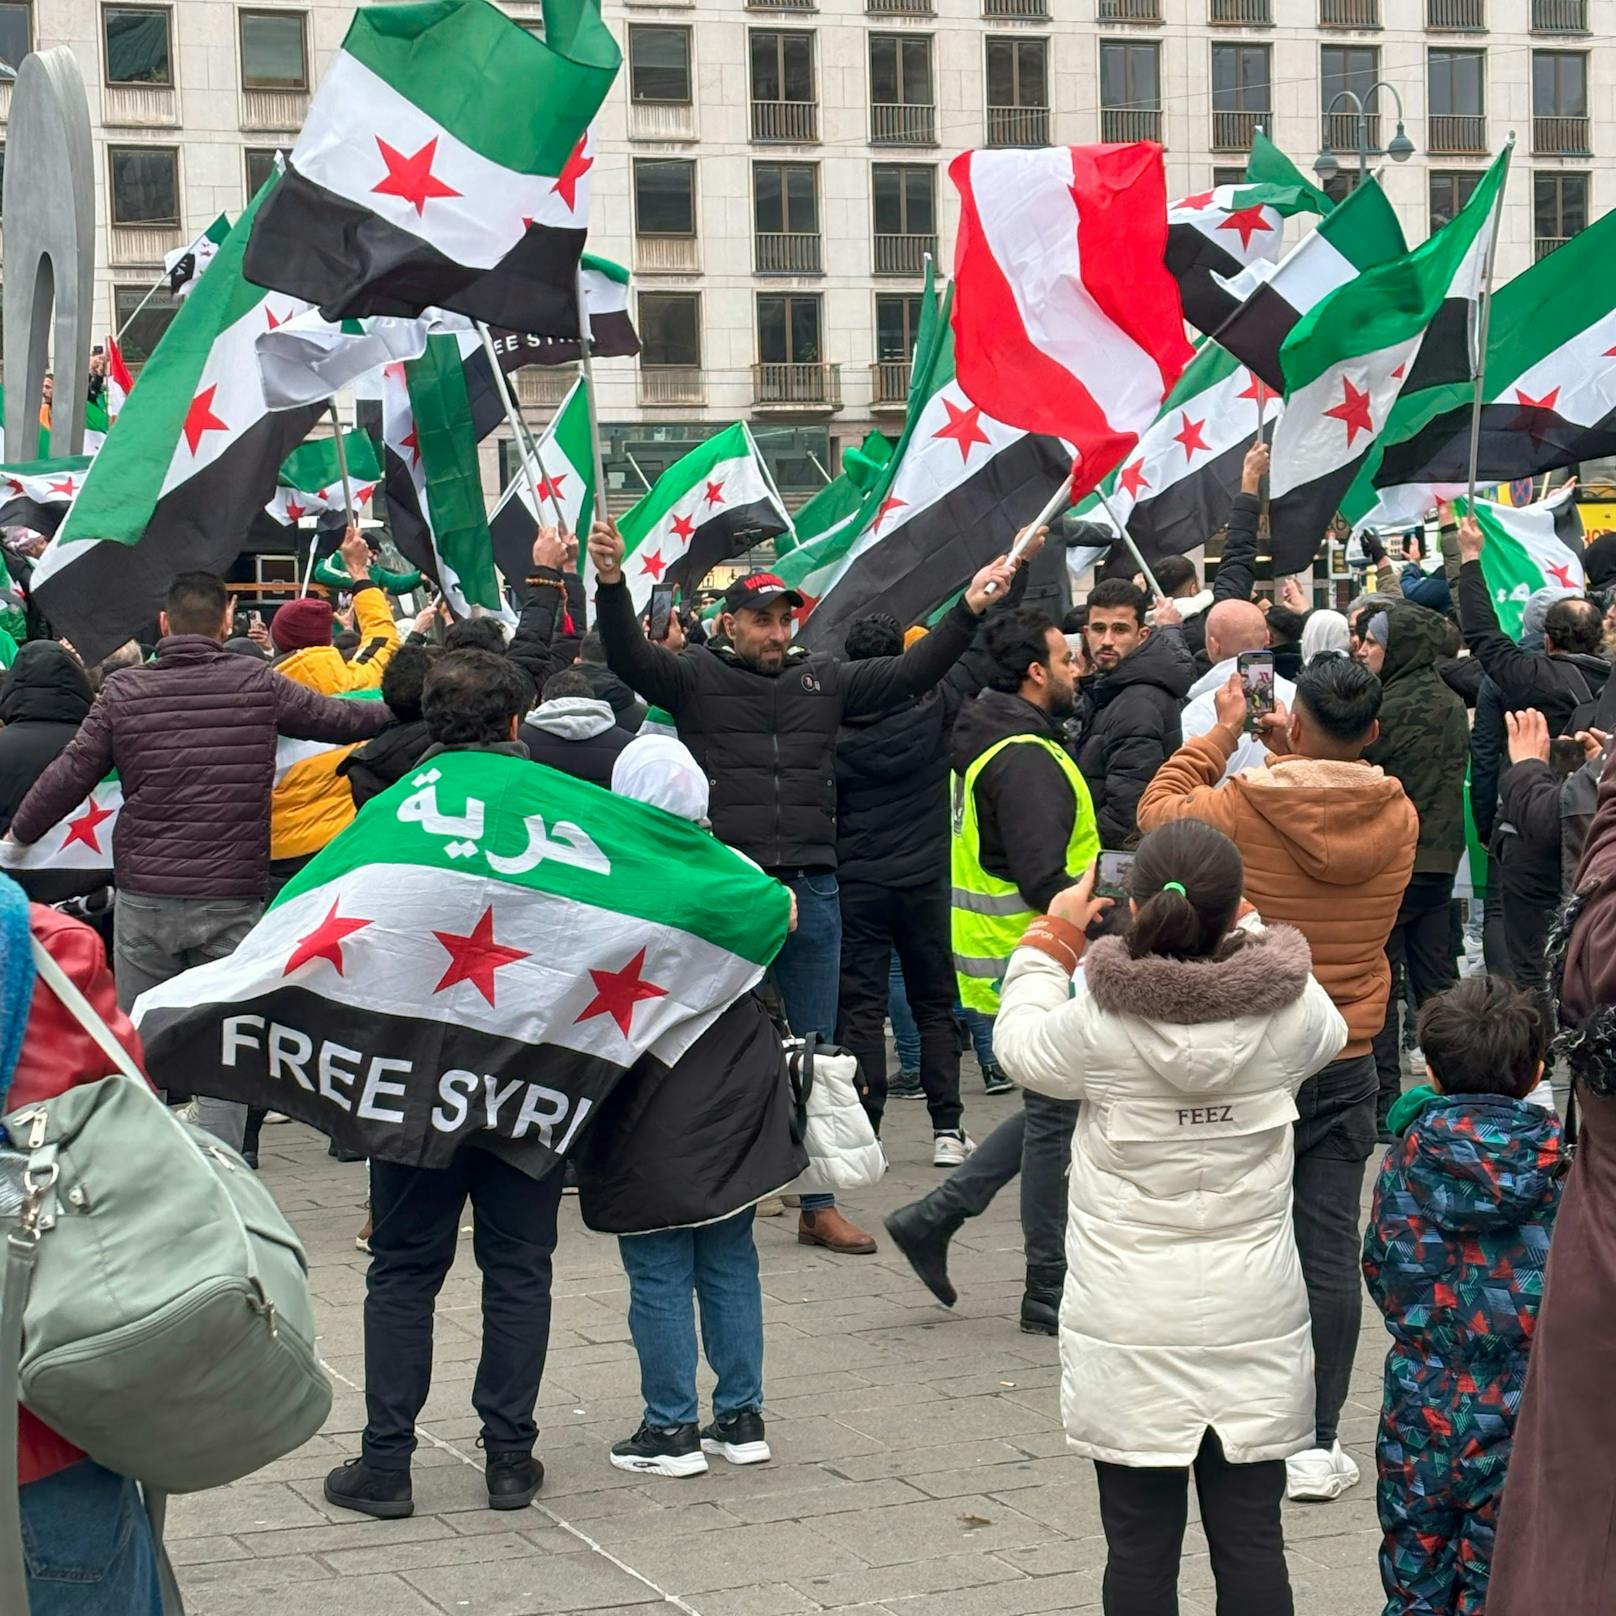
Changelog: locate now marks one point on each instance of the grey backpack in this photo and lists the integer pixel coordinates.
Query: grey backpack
(155, 1308)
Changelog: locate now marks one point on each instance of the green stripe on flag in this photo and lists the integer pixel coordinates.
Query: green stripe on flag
(733, 443)
(516, 100)
(313, 464)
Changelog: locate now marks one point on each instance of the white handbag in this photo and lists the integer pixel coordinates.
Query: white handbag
(843, 1152)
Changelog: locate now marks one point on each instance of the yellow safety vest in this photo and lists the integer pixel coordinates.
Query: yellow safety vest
(989, 915)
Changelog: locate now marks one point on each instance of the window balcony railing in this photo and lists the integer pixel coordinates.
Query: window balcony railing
(1241, 13)
(889, 383)
(796, 121)
(671, 384)
(1130, 123)
(661, 120)
(1341, 131)
(903, 255)
(1560, 137)
(894, 125)
(788, 252)
(1460, 132)
(779, 385)
(1025, 10)
(658, 254)
(1130, 11)
(1233, 131)
(1018, 126)
(1559, 16)
(1456, 16)
(1349, 13)
(898, 8)
(1544, 245)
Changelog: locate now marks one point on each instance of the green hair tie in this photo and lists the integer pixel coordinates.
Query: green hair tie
(1175, 886)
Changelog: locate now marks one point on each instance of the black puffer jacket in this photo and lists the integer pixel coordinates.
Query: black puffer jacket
(192, 736)
(44, 697)
(384, 761)
(1133, 728)
(768, 741)
(697, 1141)
(892, 795)
(575, 735)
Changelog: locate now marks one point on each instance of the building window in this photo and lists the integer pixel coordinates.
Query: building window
(786, 218)
(273, 53)
(137, 45)
(1228, 176)
(1341, 185)
(1559, 209)
(897, 321)
(670, 329)
(1018, 92)
(664, 197)
(16, 34)
(1560, 103)
(905, 199)
(902, 101)
(788, 330)
(1130, 90)
(1241, 94)
(782, 67)
(1348, 67)
(260, 165)
(143, 329)
(145, 185)
(1449, 193)
(659, 65)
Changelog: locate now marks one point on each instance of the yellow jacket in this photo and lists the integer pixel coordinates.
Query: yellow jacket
(312, 802)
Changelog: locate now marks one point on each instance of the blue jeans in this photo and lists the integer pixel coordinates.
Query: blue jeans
(719, 1263)
(980, 1027)
(905, 1034)
(808, 970)
(87, 1545)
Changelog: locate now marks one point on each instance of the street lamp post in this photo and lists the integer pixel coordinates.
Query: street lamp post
(1399, 148)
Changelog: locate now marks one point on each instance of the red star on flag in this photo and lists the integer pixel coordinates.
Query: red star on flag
(1562, 576)
(550, 487)
(269, 315)
(963, 427)
(1532, 416)
(411, 177)
(16, 487)
(362, 495)
(1249, 222)
(294, 511)
(1397, 375)
(323, 495)
(684, 528)
(1352, 412)
(1610, 353)
(200, 419)
(617, 992)
(577, 165)
(1547, 402)
(325, 941)
(1202, 199)
(527, 221)
(475, 958)
(1258, 389)
(715, 493)
(653, 566)
(83, 828)
(412, 441)
(1132, 477)
(63, 487)
(1189, 434)
(887, 507)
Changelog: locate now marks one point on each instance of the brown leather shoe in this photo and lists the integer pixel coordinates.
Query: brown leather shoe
(828, 1228)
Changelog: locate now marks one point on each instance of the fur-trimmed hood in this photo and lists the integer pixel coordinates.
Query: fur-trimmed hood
(1199, 1023)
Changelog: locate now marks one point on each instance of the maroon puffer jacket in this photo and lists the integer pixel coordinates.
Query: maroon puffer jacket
(192, 736)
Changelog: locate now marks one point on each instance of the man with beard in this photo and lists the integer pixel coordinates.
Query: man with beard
(1023, 830)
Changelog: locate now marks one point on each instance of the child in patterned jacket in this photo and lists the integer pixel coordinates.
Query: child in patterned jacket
(1454, 1255)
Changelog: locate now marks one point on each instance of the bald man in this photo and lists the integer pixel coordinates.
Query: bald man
(1232, 626)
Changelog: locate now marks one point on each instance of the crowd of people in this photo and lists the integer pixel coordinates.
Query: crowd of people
(1213, 1050)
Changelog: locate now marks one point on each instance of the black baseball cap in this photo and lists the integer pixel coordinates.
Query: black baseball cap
(759, 589)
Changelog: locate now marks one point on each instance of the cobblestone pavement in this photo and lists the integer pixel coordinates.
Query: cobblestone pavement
(919, 1464)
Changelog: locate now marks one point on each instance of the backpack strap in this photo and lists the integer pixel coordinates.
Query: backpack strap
(19, 1267)
(83, 1012)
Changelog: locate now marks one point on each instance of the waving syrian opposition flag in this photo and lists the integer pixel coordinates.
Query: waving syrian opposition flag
(432, 479)
(311, 478)
(1066, 319)
(611, 327)
(1176, 488)
(1529, 547)
(1347, 362)
(1361, 233)
(185, 266)
(564, 472)
(119, 381)
(37, 493)
(188, 465)
(957, 489)
(708, 506)
(481, 917)
(1550, 391)
(444, 162)
(81, 840)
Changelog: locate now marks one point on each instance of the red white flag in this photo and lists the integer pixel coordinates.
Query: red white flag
(119, 381)
(1066, 319)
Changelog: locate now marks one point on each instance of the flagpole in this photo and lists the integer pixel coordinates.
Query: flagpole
(314, 548)
(585, 341)
(1133, 549)
(1481, 332)
(525, 446)
(156, 286)
(342, 461)
(1056, 502)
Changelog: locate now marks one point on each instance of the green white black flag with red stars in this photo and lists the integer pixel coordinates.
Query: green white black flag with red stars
(81, 840)
(477, 959)
(445, 162)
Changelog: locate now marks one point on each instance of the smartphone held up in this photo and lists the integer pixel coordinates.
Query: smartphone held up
(1256, 670)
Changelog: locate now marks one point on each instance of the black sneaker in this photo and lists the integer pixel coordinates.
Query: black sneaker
(513, 1479)
(658, 1450)
(738, 1437)
(1040, 1311)
(994, 1080)
(905, 1086)
(382, 1493)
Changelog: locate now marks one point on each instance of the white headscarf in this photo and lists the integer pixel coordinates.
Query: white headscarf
(660, 770)
(1324, 631)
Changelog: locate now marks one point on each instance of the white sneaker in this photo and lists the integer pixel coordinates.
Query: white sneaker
(1416, 1062)
(1320, 1474)
(950, 1149)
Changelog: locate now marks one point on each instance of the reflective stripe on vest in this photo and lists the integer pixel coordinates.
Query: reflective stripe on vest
(988, 915)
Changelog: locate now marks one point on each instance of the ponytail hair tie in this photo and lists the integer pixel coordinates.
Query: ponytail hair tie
(1175, 886)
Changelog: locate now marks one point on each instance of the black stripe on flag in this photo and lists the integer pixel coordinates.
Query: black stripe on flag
(730, 533)
(1516, 441)
(1256, 331)
(22, 511)
(113, 591)
(1188, 512)
(1192, 259)
(438, 1113)
(314, 244)
(923, 561)
(1444, 356)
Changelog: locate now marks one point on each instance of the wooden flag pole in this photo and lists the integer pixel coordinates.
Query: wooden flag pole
(1053, 505)
(342, 462)
(1479, 358)
(585, 342)
(525, 446)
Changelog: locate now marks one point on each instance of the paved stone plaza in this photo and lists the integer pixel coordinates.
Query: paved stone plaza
(919, 1465)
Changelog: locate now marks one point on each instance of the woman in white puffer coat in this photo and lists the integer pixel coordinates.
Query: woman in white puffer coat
(1184, 1325)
